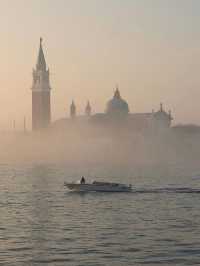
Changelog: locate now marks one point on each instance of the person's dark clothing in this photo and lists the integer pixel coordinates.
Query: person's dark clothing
(82, 180)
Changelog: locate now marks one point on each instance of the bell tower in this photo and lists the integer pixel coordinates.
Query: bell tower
(41, 105)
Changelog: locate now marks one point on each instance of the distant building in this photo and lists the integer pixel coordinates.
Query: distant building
(41, 105)
(117, 110)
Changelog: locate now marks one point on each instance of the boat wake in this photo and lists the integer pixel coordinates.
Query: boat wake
(167, 190)
(150, 191)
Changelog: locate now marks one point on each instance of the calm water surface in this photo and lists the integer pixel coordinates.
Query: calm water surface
(43, 224)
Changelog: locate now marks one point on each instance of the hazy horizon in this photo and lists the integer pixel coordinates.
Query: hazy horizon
(149, 48)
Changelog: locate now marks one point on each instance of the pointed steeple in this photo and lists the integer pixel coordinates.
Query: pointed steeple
(41, 63)
(73, 109)
(88, 109)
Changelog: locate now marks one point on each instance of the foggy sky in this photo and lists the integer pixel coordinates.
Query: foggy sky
(150, 48)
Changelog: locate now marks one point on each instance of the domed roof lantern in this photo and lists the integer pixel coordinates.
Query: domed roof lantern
(117, 106)
(117, 93)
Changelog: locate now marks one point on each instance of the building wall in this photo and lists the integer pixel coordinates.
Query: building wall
(41, 109)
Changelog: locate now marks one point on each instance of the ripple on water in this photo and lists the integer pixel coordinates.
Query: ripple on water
(41, 224)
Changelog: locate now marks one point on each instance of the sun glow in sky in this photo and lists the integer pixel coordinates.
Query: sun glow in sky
(150, 48)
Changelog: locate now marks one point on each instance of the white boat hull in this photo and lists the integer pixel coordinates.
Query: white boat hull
(98, 187)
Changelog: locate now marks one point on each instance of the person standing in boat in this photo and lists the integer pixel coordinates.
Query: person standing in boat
(82, 180)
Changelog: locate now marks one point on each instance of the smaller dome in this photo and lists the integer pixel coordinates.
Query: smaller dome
(162, 117)
(117, 105)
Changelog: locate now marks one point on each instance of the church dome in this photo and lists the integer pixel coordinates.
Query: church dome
(117, 106)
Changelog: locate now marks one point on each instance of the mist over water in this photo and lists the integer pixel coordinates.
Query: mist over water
(152, 52)
(44, 224)
(86, 146)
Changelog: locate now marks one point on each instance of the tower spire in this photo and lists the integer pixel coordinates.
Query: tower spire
(41, 63)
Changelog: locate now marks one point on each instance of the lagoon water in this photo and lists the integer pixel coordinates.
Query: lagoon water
(44, 224)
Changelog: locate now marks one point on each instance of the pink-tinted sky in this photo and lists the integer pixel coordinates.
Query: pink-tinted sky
(150, 48)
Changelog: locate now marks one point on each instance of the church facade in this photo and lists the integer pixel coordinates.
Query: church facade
(117, 110)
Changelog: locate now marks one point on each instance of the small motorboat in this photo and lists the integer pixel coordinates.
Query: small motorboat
(97, 186)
